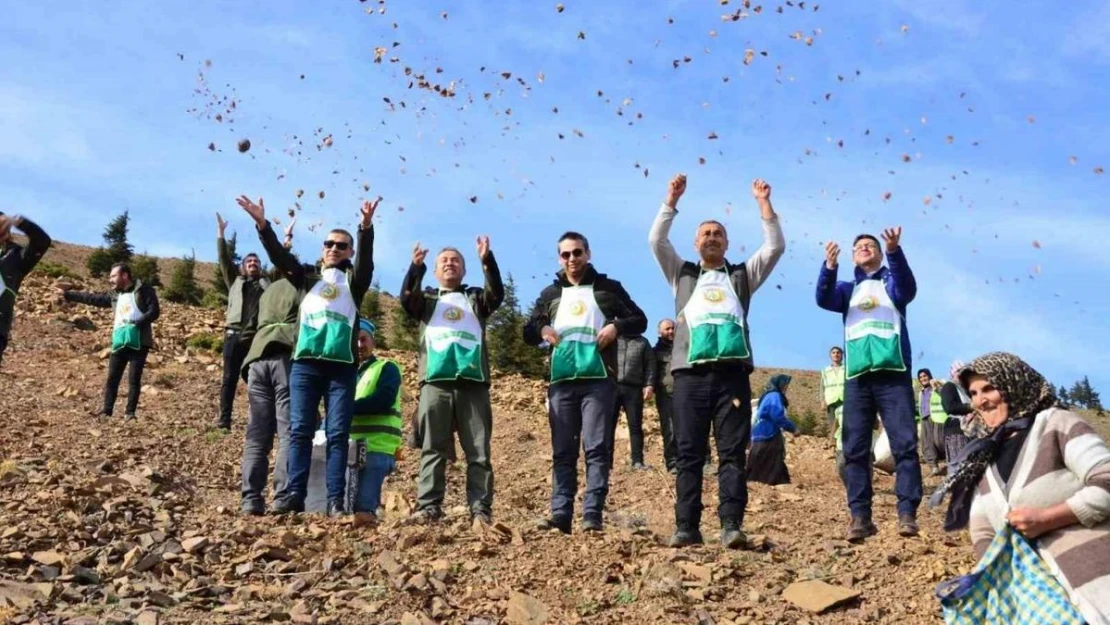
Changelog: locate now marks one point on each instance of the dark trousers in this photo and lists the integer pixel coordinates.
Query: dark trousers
(890, 394)
(664, 403)
(717, 396)
(954, 442)
(631, 398)
(579, 416)
(116, 364)
(309, 382)
(3, 346)
(235, 351)
(932, 441)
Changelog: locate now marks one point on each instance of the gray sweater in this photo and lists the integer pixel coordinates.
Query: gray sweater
(682, 275)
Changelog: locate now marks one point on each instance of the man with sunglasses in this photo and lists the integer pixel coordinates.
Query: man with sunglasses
(877, 371)
(712, 359)
(325, 363)
(580, 316)
(454, 375)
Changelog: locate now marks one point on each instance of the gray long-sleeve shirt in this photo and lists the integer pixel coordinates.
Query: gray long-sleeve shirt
(682, 275)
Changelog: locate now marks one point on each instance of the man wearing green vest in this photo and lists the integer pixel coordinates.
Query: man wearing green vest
(245, 284)
(16, 261)
(580, 316)
(832, 386)
(931, 414)
(324, 358)
(375, 428)
(712, 360)
(136, 308)
(878, 359)
(454, 375)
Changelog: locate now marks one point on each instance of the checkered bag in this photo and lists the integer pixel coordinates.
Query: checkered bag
(1011, 584)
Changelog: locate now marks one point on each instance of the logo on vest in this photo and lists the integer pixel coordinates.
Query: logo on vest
(868, 303)
(453, 313)
(578, 308)
(714, 295)
(329, 292)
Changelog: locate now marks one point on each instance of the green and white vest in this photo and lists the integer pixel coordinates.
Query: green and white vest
(327, 315)
(716, 320)
(381, 432)
(125, 334)
(453, 341)
(578, 321)
(872, 331)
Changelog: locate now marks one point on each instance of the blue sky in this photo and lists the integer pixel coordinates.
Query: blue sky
(101, 114)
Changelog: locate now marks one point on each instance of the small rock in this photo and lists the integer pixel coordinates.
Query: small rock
(147, 617)
(194, 545)
(417, 582)
(524, 610)
(49, 558)
(160, 599)
(388, 561)
(817, 596)
(83, 575)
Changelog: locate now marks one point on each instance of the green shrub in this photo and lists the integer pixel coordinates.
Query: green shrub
(209, 341)
(55, 270)
(809, 424)
(214, 299)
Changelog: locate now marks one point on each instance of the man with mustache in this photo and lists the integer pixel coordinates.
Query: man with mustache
(712, 359)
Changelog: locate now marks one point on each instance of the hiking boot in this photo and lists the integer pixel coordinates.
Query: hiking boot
(364, 519)
(731, 535)
(860, 529)
(907, 525)
(685, 534)
(560, 523)
(591, 523)
(425, 516)
(286, 506)
(253, 508)
(335, 509)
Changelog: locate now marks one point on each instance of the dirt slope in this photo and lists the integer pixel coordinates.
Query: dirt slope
(114, 522)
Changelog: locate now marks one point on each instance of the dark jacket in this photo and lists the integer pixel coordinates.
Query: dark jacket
(664, 379)
(635, 361)
(302, 278)
(900, 286)
(951, 401)
(145, 299)
(243, 293)
(16, 261)
(420, 305)
(277, 323)
(615, 304)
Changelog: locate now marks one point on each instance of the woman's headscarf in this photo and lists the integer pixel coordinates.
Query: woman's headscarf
(777, 383)
(1026, 393)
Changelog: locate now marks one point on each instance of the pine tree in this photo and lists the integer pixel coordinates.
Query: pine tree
(404, 332)
(505, 337)
(116, 248)
(1062, 395)
(372, 309)
(145, 268)
(1080, 395)
(183, 287)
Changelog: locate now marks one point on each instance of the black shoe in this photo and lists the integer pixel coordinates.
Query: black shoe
(103, 414)
(860, 529)
(481, 517)
(129, 416)
(253, 508)
(731, 534)
(424, 516)
(561, 523)
(591, 523)
(287, 506)
(907, 525)
(672, 470)
(335, 509)
(685, 534)
(640, 466)
(221, 424)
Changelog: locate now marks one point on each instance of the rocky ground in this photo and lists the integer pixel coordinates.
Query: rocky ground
(112, 522)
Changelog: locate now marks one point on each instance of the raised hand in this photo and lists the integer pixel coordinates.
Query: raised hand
(256, 211)
(418, 254)
(892, 236)
(675, 190)
(367, 211)
(483, 247)
(761, 190)
(221, 225)
(832, 251)
(289, 228)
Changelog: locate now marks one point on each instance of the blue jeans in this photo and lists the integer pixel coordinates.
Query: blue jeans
(889, 394)
(370, 479)
(579, 416)
(309, 382)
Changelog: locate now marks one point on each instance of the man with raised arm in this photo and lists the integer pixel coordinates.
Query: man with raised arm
(712, 359)
(580, 316)
(325, 363)
(245, 284)
(16, 261)
(877, 369)
(136, 308)
(454, 375)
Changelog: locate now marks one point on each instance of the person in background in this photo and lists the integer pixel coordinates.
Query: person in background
(375, 428)
(931, 417)
(1036, 467)
(136, 309)
(957, 405)
(16, 261)
(832, 386)
(635, 386)
(245, 285)
(664, 391)
(767, 459)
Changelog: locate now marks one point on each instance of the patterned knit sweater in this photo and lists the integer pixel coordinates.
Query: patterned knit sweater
(1063, 460)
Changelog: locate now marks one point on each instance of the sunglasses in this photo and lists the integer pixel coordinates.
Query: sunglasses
(339, 245)
(576, 253)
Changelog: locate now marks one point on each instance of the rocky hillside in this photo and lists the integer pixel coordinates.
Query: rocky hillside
(112, 522)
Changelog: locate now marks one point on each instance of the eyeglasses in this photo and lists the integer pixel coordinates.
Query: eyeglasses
(339, 245)
(576, 252)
